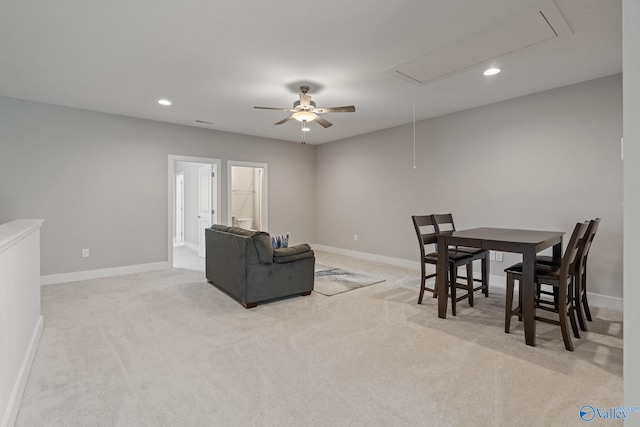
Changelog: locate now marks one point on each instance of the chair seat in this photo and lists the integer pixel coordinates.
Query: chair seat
(547, 260)
(542, 271)
(454, 256)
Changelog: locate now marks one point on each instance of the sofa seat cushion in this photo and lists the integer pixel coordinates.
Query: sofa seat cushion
(292, 253)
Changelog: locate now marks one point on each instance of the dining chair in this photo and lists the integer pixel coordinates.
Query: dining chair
(444, 222)
(426, 232)
(580, 273)
(559, 277)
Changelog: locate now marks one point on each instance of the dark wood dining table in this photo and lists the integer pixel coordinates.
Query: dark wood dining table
(525, 242)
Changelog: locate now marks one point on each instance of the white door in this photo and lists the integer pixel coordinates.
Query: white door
(206, 210)
(179, 212)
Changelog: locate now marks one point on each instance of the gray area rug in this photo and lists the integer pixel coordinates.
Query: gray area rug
(332, 281)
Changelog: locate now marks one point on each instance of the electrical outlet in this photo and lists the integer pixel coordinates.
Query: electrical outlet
(85, 253)
(499, 256)
(492, 255)
(355, 237)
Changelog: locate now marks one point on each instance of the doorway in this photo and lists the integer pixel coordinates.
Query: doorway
(196, 181)
(247, 195)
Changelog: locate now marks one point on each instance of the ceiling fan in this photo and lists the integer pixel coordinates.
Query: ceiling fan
(305, 110)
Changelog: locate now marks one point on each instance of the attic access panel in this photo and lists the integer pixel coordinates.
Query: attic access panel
(509, 35)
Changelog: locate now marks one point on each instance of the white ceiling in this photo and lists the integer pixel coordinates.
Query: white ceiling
(217, 59)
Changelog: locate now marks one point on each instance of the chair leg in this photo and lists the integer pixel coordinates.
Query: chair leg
(563, 314)
(571, 311)
(519, 301)
(453, 277)
(422, 283)
(585, 303)
(508, 303)
(574, 324)
(583, 290)
(435, 286)
(485, 275)
(469, 268)
(577, 291)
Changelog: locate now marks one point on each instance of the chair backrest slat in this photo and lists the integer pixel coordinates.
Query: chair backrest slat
(589, 235)
(425, 227)
(571, 251)
(444, 222)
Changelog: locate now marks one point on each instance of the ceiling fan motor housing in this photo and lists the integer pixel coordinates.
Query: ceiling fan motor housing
(296, 105)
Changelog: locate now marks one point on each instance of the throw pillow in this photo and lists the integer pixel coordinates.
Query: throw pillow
(280, 241)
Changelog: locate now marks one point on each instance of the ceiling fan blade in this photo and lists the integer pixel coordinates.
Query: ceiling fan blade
(275, 108)
(323, 122)
(347, 109)
(284, 120)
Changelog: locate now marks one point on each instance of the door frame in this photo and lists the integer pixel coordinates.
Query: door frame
(178, 204)
(264, 195)
(208, 220)
(172, 159)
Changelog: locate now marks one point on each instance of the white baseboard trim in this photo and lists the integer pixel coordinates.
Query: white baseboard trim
(595, 300)
(605, 301)
(76, 276)
(11, 412)
(370, 257)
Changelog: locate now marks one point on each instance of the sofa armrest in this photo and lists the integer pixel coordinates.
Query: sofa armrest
(292, 253)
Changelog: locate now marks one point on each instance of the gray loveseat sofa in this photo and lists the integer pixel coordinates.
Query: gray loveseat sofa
(244, 264)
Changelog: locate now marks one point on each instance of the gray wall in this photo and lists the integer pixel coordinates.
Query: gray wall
(100, 181)
(543, 161)
(631, 84)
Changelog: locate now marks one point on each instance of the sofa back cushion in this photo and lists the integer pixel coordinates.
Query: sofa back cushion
(261, 242)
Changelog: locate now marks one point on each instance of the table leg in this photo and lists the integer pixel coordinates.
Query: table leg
(441, 277)
(528, 291)
(557, 252)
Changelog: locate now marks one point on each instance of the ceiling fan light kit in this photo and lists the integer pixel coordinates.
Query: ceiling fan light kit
(304, 116)
(305, 110)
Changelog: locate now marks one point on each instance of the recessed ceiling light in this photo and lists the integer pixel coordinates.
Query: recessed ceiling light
(491, 71)
(164, 102)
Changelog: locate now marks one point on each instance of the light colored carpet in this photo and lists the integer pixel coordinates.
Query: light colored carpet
(187, 258)
(168, 349)
(330, 281)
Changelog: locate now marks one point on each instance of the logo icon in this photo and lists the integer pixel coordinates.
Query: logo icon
(587, 413)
